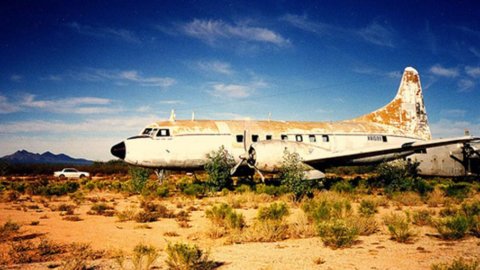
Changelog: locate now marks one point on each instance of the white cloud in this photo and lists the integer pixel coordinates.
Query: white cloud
(171, 102)
(108, 124)
(231, 90)
(373, 33)
(465, 85)
(453, 113)
(16, 78)
(133, 75)
(78, 105)
(444, 72)
(473, 71)
(120, 77)
(216, 67)
(377, 34)
(105, 32)
(448, 128)
(52, 77)
(6, 106)
(377, 72)
(211, 31)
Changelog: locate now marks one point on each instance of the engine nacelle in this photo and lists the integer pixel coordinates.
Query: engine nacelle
(267, 156)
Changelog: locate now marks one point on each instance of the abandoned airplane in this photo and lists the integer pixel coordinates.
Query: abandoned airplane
(397, 130)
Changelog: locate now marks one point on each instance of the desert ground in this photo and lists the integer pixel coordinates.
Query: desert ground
(97, 228)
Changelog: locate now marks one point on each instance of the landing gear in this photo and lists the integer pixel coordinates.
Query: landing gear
(161, 175)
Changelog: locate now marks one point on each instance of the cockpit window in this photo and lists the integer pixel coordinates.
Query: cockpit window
(153, 131)
(146, 131)
(163, 133)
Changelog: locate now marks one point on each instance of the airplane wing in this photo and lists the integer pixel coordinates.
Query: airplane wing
(388, 152)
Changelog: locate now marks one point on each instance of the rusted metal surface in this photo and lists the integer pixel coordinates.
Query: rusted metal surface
(407, 110)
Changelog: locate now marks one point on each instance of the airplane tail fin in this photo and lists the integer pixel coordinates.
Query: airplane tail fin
(406, 111)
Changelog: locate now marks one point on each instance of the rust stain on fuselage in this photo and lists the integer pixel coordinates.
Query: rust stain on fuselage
(275, 128)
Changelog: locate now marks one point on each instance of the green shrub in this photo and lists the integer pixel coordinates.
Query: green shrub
(367, 208)
(457, 264)
(453, 227)
(218, 213)
(275, 211)
(422, 217)
(337, 233)
(184, 257)
(195, 189)
(471, 209)
(364, 225)
(243, 188)
(271, 189)
(343, 187)
(292, 175)
(399, 227)
(458, 190)
(139, 177)
(218, 169)
(162, 191)
(320, 210)
(144, 256)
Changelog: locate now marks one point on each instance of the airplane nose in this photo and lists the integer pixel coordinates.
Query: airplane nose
(118, 150)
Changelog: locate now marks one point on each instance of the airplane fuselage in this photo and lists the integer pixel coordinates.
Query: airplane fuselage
(184, 145)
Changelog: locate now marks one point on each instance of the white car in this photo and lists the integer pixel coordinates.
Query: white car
(71, 173)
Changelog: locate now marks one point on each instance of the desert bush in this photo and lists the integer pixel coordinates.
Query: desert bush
(270, 224)
(78, 257)
(452, 227)
(407, 198)
(302, 227)
(399, 227)
(144, 256)
(196, 189)
(218, 168)
(275, 211)
(272, 190)
(139, 177)
(422, 217)
(125, 215)
(223, 215)
(183, 256)
(162, 191)
(161, 210)
(292, 175)
(101, 209)
(343, 187)
(471, 208)
(436, 198)
(337, 233)
(458, 191)
(367, 208)
(11, 195)
(457, 264)
(143, 216)
(319, 210)
(392, 176)
(8, 228)
(243, 188)
(47, 248)
(364, 225)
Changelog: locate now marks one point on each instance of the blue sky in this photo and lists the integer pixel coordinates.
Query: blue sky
(78, 76)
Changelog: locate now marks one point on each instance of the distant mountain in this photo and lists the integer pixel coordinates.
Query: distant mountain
(25, 157)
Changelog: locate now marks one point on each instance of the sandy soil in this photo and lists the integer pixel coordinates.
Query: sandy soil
(376, 251)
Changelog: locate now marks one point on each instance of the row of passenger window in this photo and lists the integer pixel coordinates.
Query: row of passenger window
(298, 138)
